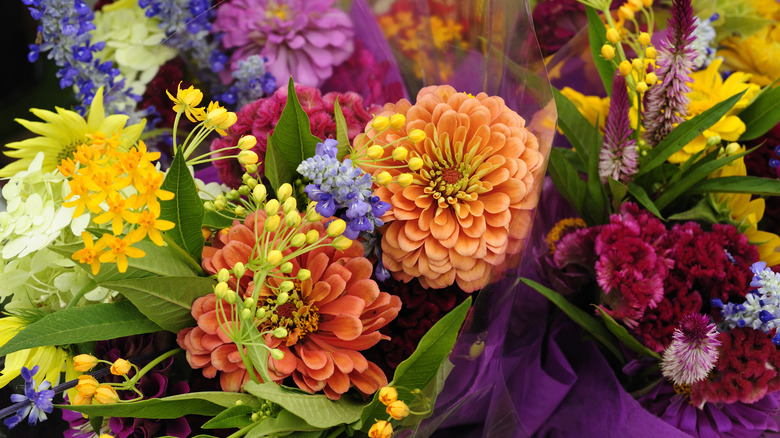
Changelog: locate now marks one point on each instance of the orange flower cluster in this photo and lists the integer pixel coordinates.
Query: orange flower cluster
(474, 187)
(101, 178)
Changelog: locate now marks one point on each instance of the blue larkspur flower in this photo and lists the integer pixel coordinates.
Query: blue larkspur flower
(761, 309)
(39, 400)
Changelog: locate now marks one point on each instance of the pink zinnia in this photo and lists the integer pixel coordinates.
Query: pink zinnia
(693, 352)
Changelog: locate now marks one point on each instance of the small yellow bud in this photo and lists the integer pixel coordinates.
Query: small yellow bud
(313, 216)
(120, 367)
(271, 207)
(290, 205)
(209, 206)
(380, 123)
(304, 274)
(298, 240)
(233, 195)
(644, 39)
(277, 354)
(275, 257)
(282, 298)
(636, 5)
(81, 400)
(221, 289)
(733, 149)
(380, 429)
(641, 87)
(397, 121)
(625, 68)
(280, 332)
(387, 395)
(286, 286)
(223, 275)
(713, 140)
(416, 163)
(246, 314)
(248, 157)
(651, 78)
(608, 52)
(260, 313)
(613, 35)
(284, 192)
(626, 13)
(651, 53)
(637, 64)
(251, 168)
(272, 223)
(249, 302)
(312, 236)
(87, 385)
(417, 135)
(341, 243)
(105, 395)
(251, 183)
(384, 178)
(336, 228)
(375, 152)
(247, 142)
(293, 218)
(405, 179)
(240, 211)
(400, 153)
(220, 204)
(84, 362)
(230, 296)
(239, 269)
(259, 193)
(397, 410)
(286, 267)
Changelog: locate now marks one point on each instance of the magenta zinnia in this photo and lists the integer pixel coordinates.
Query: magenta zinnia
(693, 352)
(618, 158)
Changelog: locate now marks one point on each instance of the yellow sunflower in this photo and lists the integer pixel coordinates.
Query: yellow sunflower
(63, 131)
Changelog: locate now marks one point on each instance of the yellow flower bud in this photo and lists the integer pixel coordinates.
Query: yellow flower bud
(209, 206)
(400, 153)
(260, 313)
(380, 429)
(84, 362)
(81, 400)
(650, 52)
(387, 395)
(637, 64)
(304, 274)
(246, 314)
(375, 152)
(87, 385)
(380, 123)
(290, 204)
(221, 289)
(284, 192)
(636, 5)
(286, 286)
(613, 35)
(644, 39)
(626, 13)
(286, 267)
(277, 354)
(251, 168)
(105, 395)
(417, 135)
(416, 163)
(651, 78)
(733, 149)
(397, 410)
(397, 121)
(336, 228)
(239, 269)
(275, 257)
(248, 157)
(223, 275)
(272, 223)
(247, 142)
(240, 211)
(282, 298)
(405, 179)
(271, 207)
(625, 68)
(251, 183)
(384, 178)
(259, 193)
(280, 332)
(341, 243)
(312, 236)
(120, 367)
(220, 204)
(313, 216)
(293, 218)
(608, 52)
(298, 240)
(249, 302)
(641, 87)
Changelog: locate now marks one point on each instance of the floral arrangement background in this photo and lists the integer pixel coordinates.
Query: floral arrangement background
(311, 258)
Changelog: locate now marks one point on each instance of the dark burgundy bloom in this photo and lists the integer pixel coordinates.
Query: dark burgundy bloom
(168, 77)
(556, 22)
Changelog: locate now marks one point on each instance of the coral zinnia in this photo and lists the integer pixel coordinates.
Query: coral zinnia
(470, 204)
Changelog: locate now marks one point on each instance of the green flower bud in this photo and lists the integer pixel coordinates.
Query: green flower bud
(286, 267)
(286, 286)
(277, 354)
(282, 298)
(298, 240)
(280, 332)
(272, 207)
(304, 274)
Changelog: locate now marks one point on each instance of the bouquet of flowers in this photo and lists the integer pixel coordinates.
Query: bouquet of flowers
(315, 263)
(661, 250)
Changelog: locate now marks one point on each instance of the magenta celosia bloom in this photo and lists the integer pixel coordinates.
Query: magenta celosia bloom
(302, 38)
(693, 352)
(618, 157)
(666, 103)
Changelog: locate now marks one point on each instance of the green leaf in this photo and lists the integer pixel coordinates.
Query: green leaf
(185, 209)
(701, 212)
(576, 127)
(292, 134)
(640, 195)
(283, 424)
(618, 191)
(236, 416)
(96, 423)
(212, 219)
(579, 316)
(342, 134)
(625, 337)
(315, 409)
(199, 403)
(82, 324)
(165, 300)
(597, 34)
(684, 133)
(761, 115)
(739, 184)
(422, 367)
(276, 170)
(595, 209)
(566, 179)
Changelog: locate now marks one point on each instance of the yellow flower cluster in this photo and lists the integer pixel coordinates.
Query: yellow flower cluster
(119, 188)
(396, 409)
(215, 116)
(634, 70)
(88, 389)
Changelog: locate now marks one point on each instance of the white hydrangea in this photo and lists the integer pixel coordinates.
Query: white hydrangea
(703, 43)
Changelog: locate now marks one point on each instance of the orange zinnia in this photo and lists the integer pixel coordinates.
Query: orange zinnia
(470, 204)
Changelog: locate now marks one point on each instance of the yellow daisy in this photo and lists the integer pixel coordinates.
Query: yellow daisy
(61, 132)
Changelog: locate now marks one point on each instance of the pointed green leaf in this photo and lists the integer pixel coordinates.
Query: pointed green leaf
(761, 115)
(739, 184)
(236, 416)
(577, 129)
(82, 324)
(622, 334)
(701, 212)
(587, 322)
(597, 35)
(595, 209)
(566, 179)
(618, 190)
(165, 300)
(276, 168)
(185, 209)
(684, 133)
(342, 135)
(199, 403)
(292, 134)
(640, 195)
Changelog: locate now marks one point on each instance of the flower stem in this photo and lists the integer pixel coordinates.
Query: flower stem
(152, 364)
(88, 287)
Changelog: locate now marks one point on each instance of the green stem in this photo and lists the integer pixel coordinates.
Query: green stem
(88, 287)
(243, 431)
(152, 364)
(176, 130)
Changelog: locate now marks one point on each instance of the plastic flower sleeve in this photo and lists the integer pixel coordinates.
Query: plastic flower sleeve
(479, 47)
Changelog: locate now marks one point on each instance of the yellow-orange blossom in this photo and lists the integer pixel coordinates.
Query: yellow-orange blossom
(470, 204)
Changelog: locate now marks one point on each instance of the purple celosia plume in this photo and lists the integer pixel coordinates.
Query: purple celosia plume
(693, 351)
(666, 103)
(618, 158)
(302, 38)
